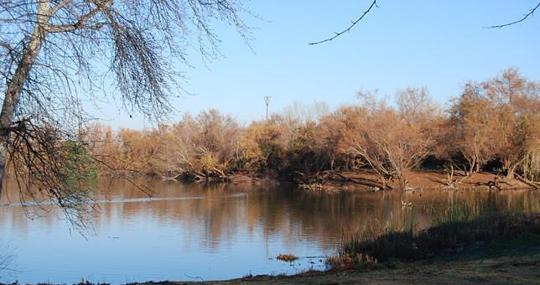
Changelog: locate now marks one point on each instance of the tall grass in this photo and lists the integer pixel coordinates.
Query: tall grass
(458, 226)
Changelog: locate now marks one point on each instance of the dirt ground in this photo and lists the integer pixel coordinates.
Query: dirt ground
(525, 270)
(422, 180)
(495, 270)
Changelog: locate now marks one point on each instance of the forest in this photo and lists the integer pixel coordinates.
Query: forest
(491, 126)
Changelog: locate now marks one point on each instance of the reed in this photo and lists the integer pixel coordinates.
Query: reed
(459, 227)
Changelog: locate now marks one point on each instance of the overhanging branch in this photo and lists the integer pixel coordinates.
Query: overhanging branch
(81, 22)
(337, 34)
(531, 12)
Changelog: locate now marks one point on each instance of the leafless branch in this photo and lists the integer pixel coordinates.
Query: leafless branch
(338, 34)
(55, 55)
(530, 13)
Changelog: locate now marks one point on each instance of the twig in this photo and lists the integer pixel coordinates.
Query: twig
(337, 34)
(531, 12)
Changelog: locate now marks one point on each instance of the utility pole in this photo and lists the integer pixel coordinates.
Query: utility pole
(267, 103)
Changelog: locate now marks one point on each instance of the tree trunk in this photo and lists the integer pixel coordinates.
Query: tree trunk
(472, 164)
(15, 86)
(2, 168)
(510, 170)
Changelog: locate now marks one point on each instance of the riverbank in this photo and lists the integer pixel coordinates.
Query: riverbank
(508, 268)
(501, 265)
(418, 180)
(497, 270)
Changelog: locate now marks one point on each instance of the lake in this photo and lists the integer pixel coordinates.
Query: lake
(193, 232)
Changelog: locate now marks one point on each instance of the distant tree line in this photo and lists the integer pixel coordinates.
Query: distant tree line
(491, 126)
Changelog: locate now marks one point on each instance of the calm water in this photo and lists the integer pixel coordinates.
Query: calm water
(191, 232)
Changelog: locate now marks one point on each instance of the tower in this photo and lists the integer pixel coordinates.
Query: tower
(267, 103)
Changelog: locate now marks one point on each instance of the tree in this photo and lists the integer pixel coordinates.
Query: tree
(393, 142)
(55, 54)
(516, 105)
(496, 120)
(472, 126)
(340, 132)
(216, 143)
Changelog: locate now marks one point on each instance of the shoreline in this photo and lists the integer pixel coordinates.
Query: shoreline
(518, 268)
(367, 180)
(510, 255)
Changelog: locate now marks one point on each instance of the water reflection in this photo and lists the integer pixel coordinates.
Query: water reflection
(186, 232)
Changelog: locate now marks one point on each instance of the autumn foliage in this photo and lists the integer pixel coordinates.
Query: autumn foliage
(491, 126)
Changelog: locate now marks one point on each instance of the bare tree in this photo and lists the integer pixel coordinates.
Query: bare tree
(497, 120)
(57, 54)
(472, 126)
(394, 142)
(416, 106)
(516, 104)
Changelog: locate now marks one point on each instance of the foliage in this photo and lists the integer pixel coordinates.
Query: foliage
(80, 170)
(496, 122)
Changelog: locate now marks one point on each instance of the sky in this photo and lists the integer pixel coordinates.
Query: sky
(439, 45)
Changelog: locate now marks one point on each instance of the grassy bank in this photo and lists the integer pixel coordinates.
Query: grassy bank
(446, 239)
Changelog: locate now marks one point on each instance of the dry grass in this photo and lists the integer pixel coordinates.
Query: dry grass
(450, 237)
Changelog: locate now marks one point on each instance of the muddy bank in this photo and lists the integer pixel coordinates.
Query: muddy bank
(367, 180)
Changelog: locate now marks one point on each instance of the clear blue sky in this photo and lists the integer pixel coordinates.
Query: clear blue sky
(434, 44)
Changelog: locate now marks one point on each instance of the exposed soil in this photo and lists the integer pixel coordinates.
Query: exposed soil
(417, 180)
(368, 180)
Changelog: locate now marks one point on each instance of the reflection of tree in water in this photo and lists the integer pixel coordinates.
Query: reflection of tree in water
(320, 217)
(219, 213)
